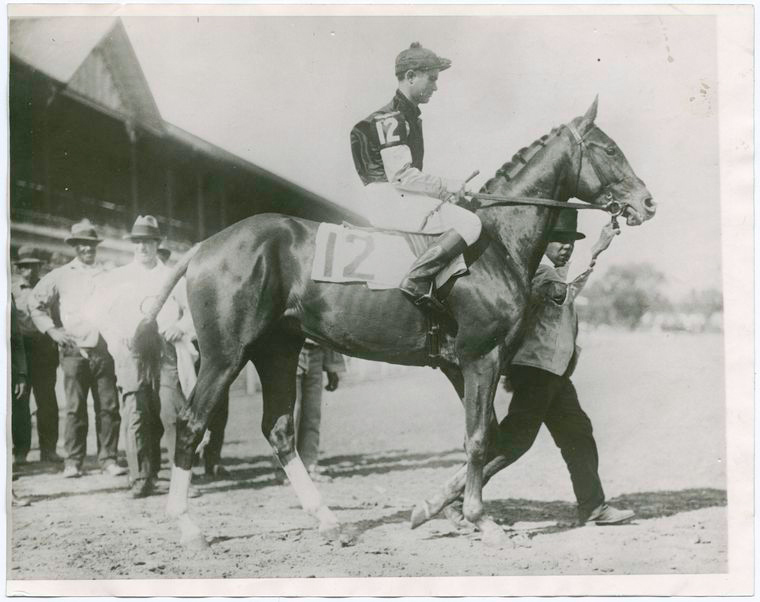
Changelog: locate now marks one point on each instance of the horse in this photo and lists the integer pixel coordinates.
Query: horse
(252, 298)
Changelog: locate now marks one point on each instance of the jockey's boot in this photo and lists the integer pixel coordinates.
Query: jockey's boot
(418, 283)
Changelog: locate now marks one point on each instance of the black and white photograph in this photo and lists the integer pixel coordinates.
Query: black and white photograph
(344, 300)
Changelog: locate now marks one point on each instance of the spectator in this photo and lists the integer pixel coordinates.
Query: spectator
(150, 390)
(41, 356)
(57, 308)
(164, 254)
(21, 421)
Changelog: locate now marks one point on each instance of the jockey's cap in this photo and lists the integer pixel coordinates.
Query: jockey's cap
(419, 59)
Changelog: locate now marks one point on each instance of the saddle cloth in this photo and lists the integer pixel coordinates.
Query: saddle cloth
(380, 258)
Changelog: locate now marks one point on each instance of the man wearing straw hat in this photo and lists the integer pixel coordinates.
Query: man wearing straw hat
(57, 307)
(41, 356)
(150, 387)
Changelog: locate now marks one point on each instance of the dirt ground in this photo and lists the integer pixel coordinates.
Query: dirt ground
(656, 402)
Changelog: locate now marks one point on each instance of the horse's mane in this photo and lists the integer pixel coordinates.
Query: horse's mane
(519, 160)
(507, 173)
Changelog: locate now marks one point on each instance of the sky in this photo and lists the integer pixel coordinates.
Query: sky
(284, 92)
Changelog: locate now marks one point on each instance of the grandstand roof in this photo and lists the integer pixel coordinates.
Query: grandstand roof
(57, 46)
(93, 61)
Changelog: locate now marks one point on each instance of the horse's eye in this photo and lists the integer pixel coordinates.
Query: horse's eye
(610, 150)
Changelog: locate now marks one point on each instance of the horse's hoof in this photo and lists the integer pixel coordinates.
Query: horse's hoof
(473, 512)
(520, 540)
(330, 531)
(454, 513)
(347, 537)
(493, 535)
(338, 534)
(197, 543)
(420, 515)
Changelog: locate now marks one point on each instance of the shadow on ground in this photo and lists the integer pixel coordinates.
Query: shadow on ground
(257, 472)
(646, 505)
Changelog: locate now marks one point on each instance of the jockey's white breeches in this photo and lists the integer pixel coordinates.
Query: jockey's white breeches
(387, 207)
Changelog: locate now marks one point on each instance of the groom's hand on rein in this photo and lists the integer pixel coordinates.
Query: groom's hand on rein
(609, 231)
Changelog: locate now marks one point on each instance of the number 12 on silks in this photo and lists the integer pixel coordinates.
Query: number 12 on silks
(349, 259)
(391, 130)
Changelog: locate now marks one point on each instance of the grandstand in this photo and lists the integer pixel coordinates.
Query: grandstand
(87, 139)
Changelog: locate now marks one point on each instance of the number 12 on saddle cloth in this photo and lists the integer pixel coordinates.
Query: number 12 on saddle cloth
(379, 258)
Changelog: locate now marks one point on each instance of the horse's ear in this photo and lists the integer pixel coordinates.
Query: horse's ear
(590, 115)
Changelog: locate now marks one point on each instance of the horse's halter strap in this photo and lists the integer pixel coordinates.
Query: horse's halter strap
(614, 207)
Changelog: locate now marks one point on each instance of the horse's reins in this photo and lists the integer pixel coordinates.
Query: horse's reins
(612, 206)
(499, 201)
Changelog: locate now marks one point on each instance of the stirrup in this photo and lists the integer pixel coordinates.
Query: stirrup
(428, 303)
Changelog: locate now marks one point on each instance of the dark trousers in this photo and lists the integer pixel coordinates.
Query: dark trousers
(307, 411)
(541, 397)
(172, 402)
(142, 409)
(308, 408)
(42, 361)
(81, 375)
(21, 423)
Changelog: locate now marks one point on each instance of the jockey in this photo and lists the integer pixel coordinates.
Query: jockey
(387, 148)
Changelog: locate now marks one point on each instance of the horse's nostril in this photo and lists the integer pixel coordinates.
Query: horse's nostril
(649, 203)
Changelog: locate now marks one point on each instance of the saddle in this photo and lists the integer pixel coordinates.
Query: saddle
(380, 258)
(377, 257)
(417, 241)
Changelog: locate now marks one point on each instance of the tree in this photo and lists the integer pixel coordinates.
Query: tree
(624, 294)
(705, 302)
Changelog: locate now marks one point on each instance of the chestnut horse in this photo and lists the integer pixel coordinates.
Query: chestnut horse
(252, 298)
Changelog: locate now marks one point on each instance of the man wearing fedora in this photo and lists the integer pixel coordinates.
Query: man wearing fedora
(388, 148)
(41, 355)
(541, 370)
(150, 389)
(57, 307)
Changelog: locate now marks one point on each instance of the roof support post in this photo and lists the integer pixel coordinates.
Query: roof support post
(169, 201)
(46, 143)
(48, 197)
(132, 135)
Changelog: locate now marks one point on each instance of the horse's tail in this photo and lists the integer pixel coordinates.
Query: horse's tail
(163, 294)
(146, 341)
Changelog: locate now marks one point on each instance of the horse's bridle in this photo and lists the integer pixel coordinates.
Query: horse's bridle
(615, 208)
(612, 206)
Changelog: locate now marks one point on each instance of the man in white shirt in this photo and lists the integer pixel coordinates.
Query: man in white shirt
(128, 293)
(58, 308)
